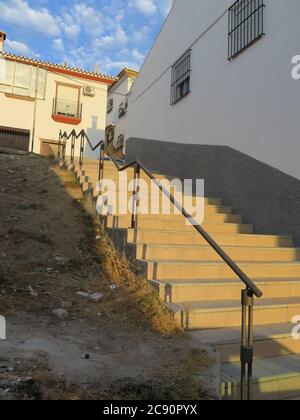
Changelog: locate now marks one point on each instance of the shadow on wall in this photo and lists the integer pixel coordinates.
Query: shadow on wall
(95, 135)
(263, 195)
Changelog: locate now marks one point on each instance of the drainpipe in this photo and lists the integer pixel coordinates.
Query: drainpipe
(35, 108)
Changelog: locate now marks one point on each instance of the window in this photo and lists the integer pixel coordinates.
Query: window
(110, 105)
(110, 134)
(181, 72)
(67, 101)
(123, 108)
(22, 79)
(119, 142)
(245, 25)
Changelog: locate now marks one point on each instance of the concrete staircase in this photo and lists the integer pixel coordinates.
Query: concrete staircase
(203, 293)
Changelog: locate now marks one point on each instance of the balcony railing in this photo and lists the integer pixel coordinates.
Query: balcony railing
(67, 109)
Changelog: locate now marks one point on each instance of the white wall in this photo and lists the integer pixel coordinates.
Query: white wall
(250, 104)
(119, 93)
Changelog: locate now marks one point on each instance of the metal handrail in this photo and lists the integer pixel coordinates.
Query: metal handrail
(247, 295)
(64, 135)
(235, 268)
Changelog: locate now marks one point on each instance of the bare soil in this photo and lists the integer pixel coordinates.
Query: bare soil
(126, 346)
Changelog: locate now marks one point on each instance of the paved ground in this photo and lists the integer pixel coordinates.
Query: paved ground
(115, 348)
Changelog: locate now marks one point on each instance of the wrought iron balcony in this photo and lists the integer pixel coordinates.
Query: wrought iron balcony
(67, 111)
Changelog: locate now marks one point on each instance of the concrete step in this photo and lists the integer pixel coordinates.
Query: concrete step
(275, 378)
(219, 290)
(147, 195)
(111, 173)
(94, 164)
(227, 313)
(175, 252)
(158, 222)
(166, 237)
(160, 201)
(178, 220)
(192, 270)
(269, 341)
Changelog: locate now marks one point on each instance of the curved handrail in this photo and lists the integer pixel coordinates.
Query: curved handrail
(252, 288)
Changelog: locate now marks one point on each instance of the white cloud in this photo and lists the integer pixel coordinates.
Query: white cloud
(17, 47)
(118, 39)
(147, 7)
(138, 56)
(58, 45)
(90, 19)
(19, 12)
(165, 6)
(72, 31)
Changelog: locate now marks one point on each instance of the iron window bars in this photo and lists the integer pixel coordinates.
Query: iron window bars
(119, 142)
(245, 25)
(123, 108)
(181, 73)
(66, 108)
(110, 105)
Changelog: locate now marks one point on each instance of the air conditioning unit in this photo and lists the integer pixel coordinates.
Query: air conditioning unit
(89, 91)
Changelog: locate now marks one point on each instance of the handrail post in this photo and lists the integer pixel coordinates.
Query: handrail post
(59, 146)
(101, 168)
(137, 172)
(81, 149)
(64, 148)
(247, 345)
(72, 148)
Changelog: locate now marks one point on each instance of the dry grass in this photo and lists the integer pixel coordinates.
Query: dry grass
(141, 300)
(138, 300)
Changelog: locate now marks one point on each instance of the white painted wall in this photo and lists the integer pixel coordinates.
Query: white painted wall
(19, 113)
(118, 92)
(250, 104)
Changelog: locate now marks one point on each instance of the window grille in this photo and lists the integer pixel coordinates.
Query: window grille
(181, 72)
(110, 105)
(245, 25)
(119, 142)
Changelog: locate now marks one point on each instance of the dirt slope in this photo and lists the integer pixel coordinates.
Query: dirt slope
(124, 346)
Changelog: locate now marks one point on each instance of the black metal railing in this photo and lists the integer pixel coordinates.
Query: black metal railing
(247, 294)
(245, 25)
(84, 139)
(67, 108)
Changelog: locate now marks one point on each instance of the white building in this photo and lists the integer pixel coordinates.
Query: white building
(224, 73)
(39, 99)
(117, 103)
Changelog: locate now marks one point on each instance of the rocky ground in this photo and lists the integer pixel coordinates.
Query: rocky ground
(113, 340)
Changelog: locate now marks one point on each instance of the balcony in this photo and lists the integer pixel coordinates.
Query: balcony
(66, 111)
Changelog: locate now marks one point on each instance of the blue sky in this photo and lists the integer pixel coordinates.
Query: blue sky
(110, 33)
